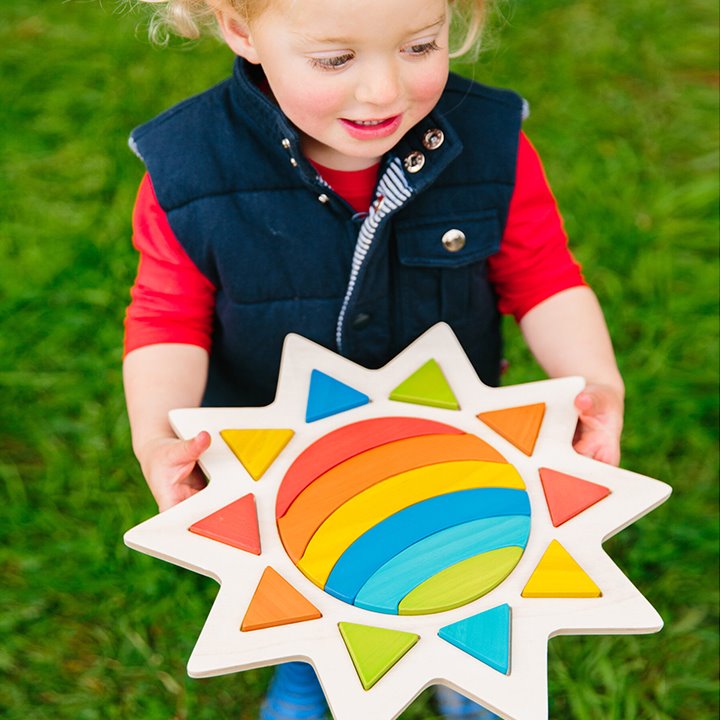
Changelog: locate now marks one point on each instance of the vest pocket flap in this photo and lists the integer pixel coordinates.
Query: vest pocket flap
(453, 242)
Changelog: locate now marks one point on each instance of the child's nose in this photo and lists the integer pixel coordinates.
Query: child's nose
(379, 84)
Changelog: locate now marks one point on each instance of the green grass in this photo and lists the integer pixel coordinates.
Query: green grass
(624, 98)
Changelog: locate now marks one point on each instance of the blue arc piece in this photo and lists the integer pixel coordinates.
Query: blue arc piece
(391, 536)
(485, 636)
(396, 578)
(328, 396)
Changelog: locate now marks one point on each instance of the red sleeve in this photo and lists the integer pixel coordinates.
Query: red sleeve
(171, 300)
(534, 261)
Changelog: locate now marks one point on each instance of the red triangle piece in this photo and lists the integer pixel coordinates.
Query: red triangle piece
(236, 524)
(518, 425)
(568, 496)
(276, 602)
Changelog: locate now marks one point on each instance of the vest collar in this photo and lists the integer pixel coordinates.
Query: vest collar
(249, 100)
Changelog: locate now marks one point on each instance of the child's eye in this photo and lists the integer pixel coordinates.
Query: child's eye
(333, 62)
(422, 48)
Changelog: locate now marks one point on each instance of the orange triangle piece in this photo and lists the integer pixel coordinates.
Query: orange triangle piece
(568, 496)
(518, 425)
(276, 602)
(236, 524)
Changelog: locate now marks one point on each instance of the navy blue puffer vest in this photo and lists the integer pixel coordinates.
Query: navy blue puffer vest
(280, 246)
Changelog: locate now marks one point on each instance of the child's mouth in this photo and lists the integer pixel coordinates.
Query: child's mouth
(371, 129)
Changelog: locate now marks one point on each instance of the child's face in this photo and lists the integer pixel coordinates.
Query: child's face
(353, 75)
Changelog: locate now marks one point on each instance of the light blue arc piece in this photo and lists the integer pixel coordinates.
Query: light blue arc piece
(485, 636)
(396, 578)
(328, 396)
(385, 540)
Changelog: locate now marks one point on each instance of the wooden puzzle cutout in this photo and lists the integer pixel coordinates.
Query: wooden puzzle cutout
(276, 602)
(558, 575)
(347, 442)
(350, 478)
(375, 650)
(391, 537)
(568, 496)
(518, 425)
(426, 386)
(485, 636)
(328, 396)
(236, 524)
(256, 449)
(439, 562)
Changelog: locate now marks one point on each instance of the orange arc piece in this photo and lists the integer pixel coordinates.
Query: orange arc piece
(568, 496)
(320, 499)
(333, 448)
(277, 602)
(519, 425)
(235, 524)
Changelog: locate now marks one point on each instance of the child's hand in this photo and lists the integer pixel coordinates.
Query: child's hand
(170, 468)
(600, 423)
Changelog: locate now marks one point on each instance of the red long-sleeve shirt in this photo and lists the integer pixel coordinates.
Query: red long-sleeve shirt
(173, 302)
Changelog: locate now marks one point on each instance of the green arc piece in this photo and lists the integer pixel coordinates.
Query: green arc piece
(426, 386)
(461, 583)
(374, 650)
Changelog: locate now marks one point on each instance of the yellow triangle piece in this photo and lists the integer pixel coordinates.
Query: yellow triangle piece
(519, 425)
(256, 449)
(557, 575)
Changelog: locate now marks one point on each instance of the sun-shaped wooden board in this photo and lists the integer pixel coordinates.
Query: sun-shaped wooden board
(403, 527)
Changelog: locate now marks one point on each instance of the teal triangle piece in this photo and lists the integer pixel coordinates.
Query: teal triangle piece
(426, 386)
(485, 636)
(328, 396)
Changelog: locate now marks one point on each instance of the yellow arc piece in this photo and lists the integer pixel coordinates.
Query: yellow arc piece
(558, 575)
(461, 583)
(256, 449)
(384, 499)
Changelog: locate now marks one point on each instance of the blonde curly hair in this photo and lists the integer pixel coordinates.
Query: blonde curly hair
(189, 18)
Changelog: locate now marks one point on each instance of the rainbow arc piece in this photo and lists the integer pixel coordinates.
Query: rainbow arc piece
(397, 546)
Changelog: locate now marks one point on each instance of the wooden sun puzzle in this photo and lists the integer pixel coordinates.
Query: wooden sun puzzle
(403, 527)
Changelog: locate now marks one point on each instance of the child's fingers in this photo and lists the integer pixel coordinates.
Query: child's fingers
(188, 451)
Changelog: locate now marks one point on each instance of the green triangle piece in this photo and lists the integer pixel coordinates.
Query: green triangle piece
(426, 386)
(374, 650)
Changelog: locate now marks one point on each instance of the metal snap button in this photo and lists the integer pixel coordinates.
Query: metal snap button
(360, 321)
(414, 161)
(323, 198)
(454, 240)
(433, 138)
(285, 143)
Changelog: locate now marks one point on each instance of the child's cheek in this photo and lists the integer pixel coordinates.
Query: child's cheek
(431, 85)
(313, 103)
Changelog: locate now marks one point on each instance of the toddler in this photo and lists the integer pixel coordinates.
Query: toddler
(342, 185)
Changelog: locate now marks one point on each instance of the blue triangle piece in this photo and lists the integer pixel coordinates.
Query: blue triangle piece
(328, 396)
(485, 636)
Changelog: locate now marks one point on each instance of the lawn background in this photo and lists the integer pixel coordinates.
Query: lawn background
(624, 111)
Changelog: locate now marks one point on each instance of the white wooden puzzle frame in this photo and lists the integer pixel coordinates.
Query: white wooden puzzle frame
(521, 694)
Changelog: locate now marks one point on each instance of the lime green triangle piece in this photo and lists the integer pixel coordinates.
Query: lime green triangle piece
(426, 386)
(374, 650)
(257, 449)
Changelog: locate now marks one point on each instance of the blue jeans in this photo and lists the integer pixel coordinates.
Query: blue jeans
(295, 694)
